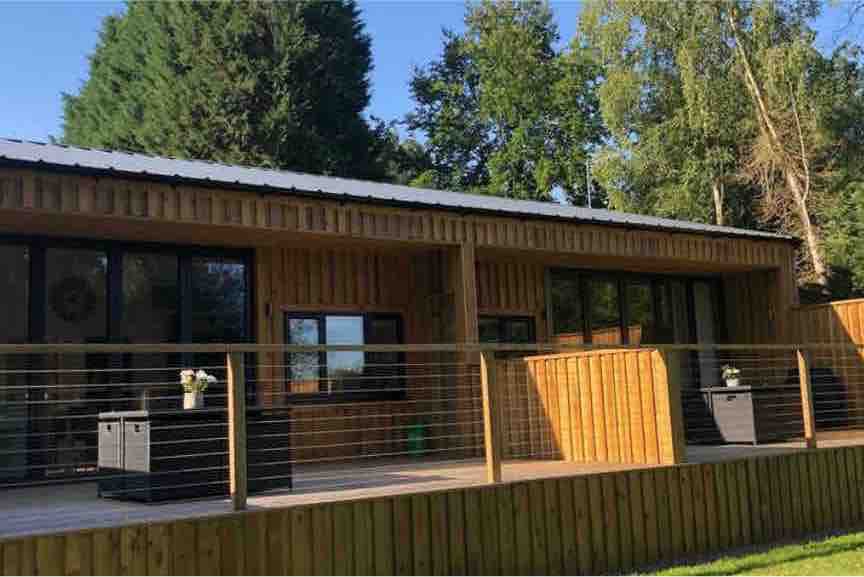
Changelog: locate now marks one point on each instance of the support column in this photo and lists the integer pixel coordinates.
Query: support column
(463, 280)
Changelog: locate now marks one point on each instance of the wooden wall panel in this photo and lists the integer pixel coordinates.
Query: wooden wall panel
(72, 195)
(597, 406)
(588, 524)
(419, 287)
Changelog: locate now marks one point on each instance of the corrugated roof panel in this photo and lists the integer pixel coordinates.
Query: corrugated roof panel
(16, 152)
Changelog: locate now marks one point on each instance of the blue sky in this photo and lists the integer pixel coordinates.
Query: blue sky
(45, 47)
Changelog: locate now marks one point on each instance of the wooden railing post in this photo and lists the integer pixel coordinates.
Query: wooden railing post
(806, 398)
(491, 416)
(237, 455)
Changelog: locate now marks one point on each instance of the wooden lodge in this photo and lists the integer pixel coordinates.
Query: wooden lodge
(110, 247)
(469, 384)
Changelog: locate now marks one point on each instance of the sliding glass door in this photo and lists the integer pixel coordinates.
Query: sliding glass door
(81, 292)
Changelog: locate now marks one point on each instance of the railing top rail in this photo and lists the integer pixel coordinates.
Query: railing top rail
(71, 348)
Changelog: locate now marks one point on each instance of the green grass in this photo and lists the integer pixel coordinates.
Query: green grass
(843, 555)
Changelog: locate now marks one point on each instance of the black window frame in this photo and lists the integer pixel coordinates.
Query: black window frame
(621, 278)
(357, 395)
(114, 250)
(502, 320)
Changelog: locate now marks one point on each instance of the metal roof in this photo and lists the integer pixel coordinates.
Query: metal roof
(17, 152)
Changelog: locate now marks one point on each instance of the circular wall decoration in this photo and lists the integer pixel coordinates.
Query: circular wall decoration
(72, 299)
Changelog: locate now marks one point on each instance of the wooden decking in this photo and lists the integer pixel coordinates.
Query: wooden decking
(54, 508)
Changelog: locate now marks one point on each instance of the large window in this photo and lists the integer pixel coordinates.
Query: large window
(71, 291)
(353, 375)
(612, 308)
(98, 292)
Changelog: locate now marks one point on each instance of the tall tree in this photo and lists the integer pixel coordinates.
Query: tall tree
(674, 107)
(708, 98)
(279, 84)
(503, 112)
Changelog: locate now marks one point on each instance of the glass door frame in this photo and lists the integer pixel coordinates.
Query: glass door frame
(38, 246)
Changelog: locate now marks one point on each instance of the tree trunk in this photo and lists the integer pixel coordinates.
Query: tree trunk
(717, 192)
(786, 164)
(808, 230)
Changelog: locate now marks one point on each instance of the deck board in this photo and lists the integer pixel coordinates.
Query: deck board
(53, 508)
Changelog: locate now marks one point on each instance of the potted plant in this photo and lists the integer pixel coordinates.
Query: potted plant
(194, 384)
(731, 375)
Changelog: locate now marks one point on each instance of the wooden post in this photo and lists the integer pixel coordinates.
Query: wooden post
(237, 469)
(491, 417)
(806, 398)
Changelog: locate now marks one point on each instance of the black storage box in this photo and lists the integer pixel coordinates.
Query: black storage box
(182, 454)
(755, 414)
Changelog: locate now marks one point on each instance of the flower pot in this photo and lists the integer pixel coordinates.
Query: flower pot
(733, 382)
(193, 400)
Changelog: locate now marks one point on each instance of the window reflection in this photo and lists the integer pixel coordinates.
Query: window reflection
(568, 321)
(605, 311)
(77, 302)
(150, 298)
(216, 301)
(640, 314)
(342, 365)
(304, 367)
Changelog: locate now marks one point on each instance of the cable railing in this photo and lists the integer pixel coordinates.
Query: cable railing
(114, 422)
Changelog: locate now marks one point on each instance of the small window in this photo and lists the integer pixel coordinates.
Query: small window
(567, 315)
(354, 374)
(507, 330)
(518, 330)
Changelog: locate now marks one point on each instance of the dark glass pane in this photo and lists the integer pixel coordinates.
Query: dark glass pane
(489, 329)
(215, 302)
(605, 311)
(518, 331)
(640, 313)
(150, 298)
(150, 308)
(342, 365)
(386, 366)
(76, 307)
(76, 385)
(303, 367)
(566, 303)
(14, 290)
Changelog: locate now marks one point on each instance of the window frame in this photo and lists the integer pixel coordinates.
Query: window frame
(114, 250)
(621, 279)
(501, 320)
(322, 396)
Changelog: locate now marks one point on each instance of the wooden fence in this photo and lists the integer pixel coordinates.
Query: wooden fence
(597, 523)
(837, 322)
(613, 406)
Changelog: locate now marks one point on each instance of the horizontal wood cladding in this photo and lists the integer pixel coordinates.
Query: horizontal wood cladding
(605, 407)
(137, 199)
(594, 523)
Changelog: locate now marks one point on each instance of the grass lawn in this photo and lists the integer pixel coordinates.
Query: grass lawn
(843, 555)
